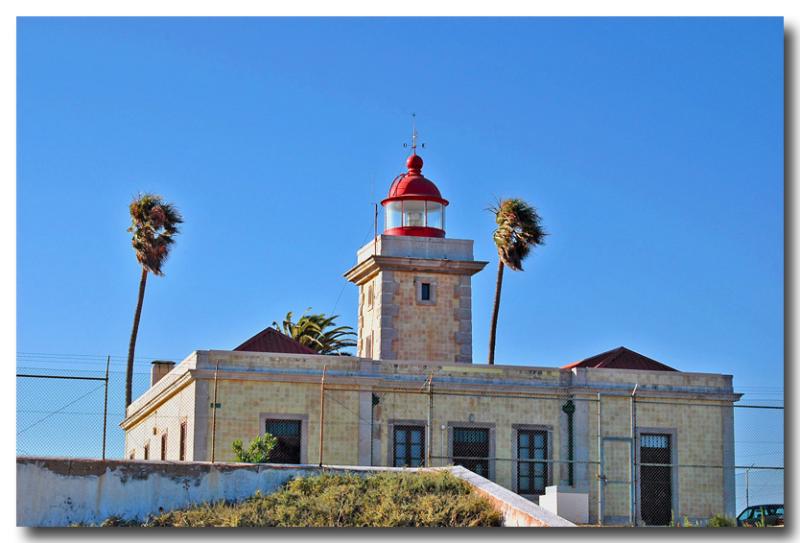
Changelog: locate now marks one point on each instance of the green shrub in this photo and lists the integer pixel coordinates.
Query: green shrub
(258, 451)
(433, 499)
(721, 521)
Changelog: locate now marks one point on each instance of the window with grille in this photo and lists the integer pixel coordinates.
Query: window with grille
(287, 432)
(164, 446)
(182, 442)
(471, 449)
(531, 475)
(147, 452)
(655, 456)
(409, 446)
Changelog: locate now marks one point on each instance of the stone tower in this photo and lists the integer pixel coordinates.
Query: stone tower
(414, 284)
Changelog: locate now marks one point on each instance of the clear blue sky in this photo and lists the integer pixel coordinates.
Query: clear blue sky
(653, 149)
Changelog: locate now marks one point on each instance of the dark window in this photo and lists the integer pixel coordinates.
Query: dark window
(133, 454)
(147, 452)
(531, 476)
(471, 449)
(287, 451)
(425, 293)
(182, 444)
(656, 480)
(164, 446)
(409, 446)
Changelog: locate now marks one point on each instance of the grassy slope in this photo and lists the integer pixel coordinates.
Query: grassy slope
(435, 499)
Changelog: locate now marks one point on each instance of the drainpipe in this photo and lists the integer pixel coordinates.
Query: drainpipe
(569, 409)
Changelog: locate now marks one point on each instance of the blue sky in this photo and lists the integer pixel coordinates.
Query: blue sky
(653, 149)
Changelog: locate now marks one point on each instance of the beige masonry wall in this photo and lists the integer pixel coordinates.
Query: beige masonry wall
(693, 409)
(428, 329)
(165, 420)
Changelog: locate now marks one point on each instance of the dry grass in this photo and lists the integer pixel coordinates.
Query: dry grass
(426, 499)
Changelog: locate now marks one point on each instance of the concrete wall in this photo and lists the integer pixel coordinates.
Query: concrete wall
(62, 492)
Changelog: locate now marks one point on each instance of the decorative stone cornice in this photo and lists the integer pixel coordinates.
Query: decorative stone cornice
(362, 272)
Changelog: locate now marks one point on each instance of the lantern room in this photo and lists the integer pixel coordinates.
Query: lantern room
(415, 206)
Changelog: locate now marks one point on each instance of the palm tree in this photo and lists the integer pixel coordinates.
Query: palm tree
(518, 231)
(318, 332)
(154, 224)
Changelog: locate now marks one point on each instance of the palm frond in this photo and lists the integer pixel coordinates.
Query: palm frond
(519, 230)
(154, 224)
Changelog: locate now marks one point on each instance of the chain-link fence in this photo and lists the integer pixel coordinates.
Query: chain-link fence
(72, 407)
(639, 460)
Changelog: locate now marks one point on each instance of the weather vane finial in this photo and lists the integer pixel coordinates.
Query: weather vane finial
(414, 135)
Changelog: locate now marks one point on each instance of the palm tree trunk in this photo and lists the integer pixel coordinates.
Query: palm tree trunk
(496, 310)
(132, 345)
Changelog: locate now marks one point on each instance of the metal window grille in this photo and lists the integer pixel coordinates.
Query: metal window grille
(287, 432)
(471, 449)
(656, 480)
(531, 476)
(164, 446)
(409, 446)
(147, 452)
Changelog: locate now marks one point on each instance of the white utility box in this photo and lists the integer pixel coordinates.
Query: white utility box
(573, 506)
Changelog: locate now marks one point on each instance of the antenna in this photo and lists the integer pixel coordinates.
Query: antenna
(414, 135)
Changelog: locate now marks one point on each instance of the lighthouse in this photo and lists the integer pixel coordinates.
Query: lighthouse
(414, 283)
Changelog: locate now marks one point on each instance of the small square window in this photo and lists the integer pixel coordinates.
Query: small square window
(425, 293)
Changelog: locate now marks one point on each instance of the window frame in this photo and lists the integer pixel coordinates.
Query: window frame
(408, 428)
(164, 443)
(490, 426)
(391, 423)
(418, 282)
(675, 473)
(182, 437)
(302, 418)
(548, 431)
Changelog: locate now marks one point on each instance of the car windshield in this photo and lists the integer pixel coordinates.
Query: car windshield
(766, 510)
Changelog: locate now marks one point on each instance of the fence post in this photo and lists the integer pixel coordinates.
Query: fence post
(322, 412)
(105, 408)
(214, 418)
(747, 487)
(634, 520)
(430, 430)
(600, 461)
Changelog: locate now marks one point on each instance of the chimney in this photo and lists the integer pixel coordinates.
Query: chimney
(159, 369)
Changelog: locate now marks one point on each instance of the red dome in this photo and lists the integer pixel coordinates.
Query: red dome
(413, 186)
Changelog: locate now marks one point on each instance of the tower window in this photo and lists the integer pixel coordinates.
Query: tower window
(425, 293)
(425, 288)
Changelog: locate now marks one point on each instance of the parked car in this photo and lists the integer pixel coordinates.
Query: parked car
(761, 515)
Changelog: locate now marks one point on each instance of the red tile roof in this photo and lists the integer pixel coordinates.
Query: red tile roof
(620, 358)
(270, 340)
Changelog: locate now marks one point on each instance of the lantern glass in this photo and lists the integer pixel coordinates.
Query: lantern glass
(435, 215)
(413, 213)
(394, 215)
